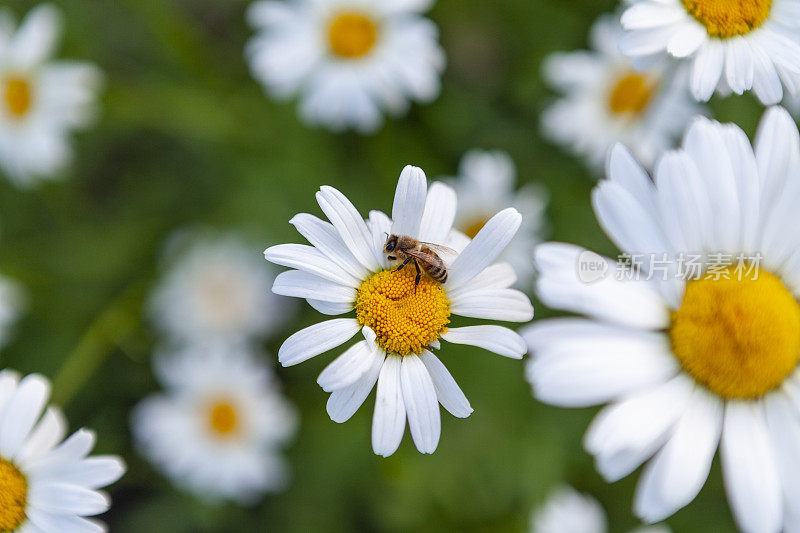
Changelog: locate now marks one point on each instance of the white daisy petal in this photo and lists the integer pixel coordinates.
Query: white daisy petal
(440, 211)
(316, 339)
(447, 390)
(484, 248)
(309, 259)
(707, 70)
(680, 469)
(496, 276)
(409, 202)
(49, 431)
(349, 224)
(304, 285)
(21, 413)
(351, 365)
(422, 406)
(330, 308)
(497, 339)
(323, 236)
(749, 468)
(389, 419)
(626, 434)
(578, 363)
(344, 403)
(634, 303)
(493, 304)
(783, 423)
(43, 521)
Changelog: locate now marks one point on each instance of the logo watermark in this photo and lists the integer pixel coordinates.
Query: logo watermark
(685, 266)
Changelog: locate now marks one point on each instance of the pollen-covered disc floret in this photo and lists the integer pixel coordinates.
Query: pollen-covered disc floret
(13, 496)
(631, 94)
(405, 320)
(740, 337)
(729, 18)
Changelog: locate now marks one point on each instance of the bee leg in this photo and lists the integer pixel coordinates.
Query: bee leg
(419, 276)
(398, 269)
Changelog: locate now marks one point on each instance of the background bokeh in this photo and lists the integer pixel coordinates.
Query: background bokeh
(187, 137)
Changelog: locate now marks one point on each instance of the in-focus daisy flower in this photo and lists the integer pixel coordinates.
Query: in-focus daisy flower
(217, 288)
(696, 346)
(568, 511)
(486, 184)
(606, 100)
(41, 100)
(219, 426)
(47, 485)
(348, 61)
(345, 269)
(733, 45)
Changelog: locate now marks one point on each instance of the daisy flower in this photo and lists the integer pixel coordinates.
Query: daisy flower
(690, 359)
(606, 100)
(41, 100)
(218, 428)
(733, 45)
(47, 485)
(568, 511)
(12, 302)
(345, 269)
(348, 61)
(486, 184)
(217, 289)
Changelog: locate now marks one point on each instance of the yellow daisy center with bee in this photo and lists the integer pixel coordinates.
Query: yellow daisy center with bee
(740, 336)
(631, 93)
(352, 35)
(223, 418)
(13, 496)
(18, 96)
(724, 19)
(404, 320)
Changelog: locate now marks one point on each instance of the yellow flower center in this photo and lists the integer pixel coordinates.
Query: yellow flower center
(13, 496)
(403, 320)
(740, 337)
(18, 96)
(223, 418)
(728, 18)
(352, 35)
(631, 94)
(475, 226)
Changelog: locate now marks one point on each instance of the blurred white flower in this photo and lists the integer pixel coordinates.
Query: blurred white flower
(41, 100)
(401, 314)
(607, 100)
(47, 485)
(218, 287)
(219, 426)
(691, 359)
(568, 511)
(348, 61)
(732, 46)
(486, 184)
(12, 303)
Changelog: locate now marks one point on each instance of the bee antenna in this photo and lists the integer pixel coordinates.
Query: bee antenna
(387, 235)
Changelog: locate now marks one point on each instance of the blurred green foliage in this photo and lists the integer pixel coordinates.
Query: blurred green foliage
(187, 137)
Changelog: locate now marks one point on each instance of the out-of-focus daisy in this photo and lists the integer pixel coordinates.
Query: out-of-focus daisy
(486, 184)
(348, 61)
(218, 427)
(606, 100)
(12, 301)
(217, 288)
(568, 511)
(733, 45)
(41, 100)
(692, 358)
(346, 269)
(47, 485)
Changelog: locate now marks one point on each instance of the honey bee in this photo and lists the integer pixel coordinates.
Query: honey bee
(424, 255)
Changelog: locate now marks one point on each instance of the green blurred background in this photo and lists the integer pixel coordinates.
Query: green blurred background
(187, 137)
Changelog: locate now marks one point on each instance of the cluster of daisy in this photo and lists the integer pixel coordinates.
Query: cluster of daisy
(219, 424)
(648, 68)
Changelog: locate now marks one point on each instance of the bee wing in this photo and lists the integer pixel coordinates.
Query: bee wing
(447, 254)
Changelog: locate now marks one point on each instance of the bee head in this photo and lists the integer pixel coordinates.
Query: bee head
(390, 246)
